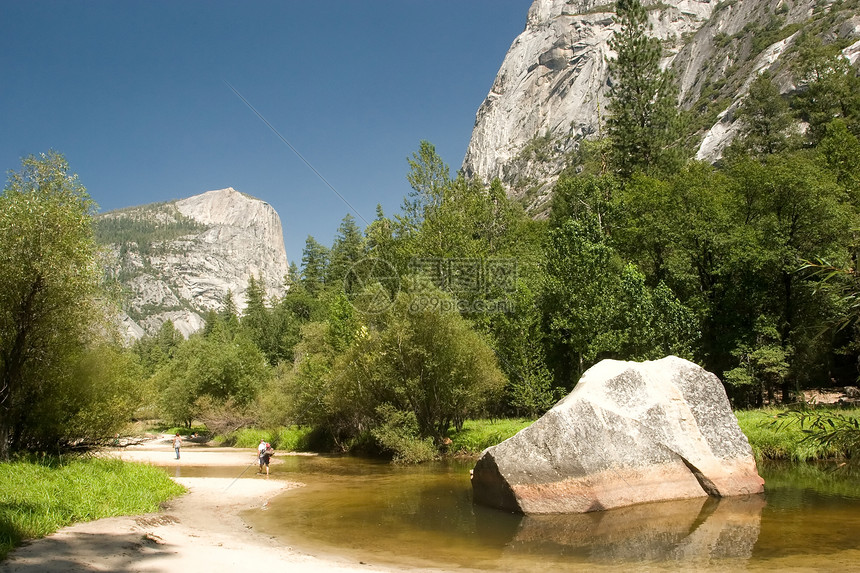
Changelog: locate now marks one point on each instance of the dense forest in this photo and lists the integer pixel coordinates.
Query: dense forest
(463, 305)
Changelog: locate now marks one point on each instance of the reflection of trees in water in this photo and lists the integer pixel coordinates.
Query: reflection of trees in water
(691, 530)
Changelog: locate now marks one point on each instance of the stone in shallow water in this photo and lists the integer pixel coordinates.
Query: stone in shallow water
(630, 432)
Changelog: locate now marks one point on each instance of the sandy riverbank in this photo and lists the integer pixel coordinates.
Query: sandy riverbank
(199, 531)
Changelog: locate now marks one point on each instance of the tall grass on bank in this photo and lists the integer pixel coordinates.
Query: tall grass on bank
(477, 435)
(772, 436)
(286, 439)
(39, 496)
(776, 437)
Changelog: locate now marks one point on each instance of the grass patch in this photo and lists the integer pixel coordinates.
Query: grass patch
(39, 496)
(477, 435)
(775, 438)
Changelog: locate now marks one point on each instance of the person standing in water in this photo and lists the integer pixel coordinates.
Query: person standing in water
(260, 449)
(177, 443)
(265, 455)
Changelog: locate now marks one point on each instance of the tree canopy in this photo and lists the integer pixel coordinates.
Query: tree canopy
(53, 310)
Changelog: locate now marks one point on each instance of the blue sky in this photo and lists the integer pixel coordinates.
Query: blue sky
(135, 95)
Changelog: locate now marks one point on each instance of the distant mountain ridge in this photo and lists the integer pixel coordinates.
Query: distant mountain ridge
(178, 260)
(551, 90)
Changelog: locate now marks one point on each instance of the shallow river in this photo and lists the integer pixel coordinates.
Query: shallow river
(423, 516)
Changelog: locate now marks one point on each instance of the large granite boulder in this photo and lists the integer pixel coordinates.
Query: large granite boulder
(630, 432)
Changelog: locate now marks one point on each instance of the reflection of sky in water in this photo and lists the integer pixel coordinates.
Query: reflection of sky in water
(424, 516)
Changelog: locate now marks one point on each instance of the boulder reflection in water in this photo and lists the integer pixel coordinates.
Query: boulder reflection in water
(693, 530)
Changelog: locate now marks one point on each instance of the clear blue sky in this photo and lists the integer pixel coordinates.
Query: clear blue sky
(134, 95)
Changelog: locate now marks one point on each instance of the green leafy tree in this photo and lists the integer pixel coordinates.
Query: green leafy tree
(380, 238)
(305, 385)
(221, 367)
(652, 322)
(428, 176)
(403, 376)
(841, 151)
(420, 359)
(520, 344)
(229, 313)
(155, 351)
(762, 367)
(52, 304)
(585, 196)
(792, 210)
(643, 115)
(105, 393)
(578, 297)
(596, 307)
(258, 321)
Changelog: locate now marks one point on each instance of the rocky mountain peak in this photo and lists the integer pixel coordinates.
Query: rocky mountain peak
(178, 260)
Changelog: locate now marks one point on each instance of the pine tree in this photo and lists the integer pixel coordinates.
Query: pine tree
(766, 118)
(428, 176)
(314, 263)
(347, 250)
(643, 110)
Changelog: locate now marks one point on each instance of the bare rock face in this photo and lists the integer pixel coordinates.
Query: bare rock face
(178, 260)
(628, 433)
(551, 90)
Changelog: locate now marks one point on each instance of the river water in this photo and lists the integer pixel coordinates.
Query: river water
(423, 516)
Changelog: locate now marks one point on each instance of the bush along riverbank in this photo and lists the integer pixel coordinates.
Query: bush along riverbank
(823, 433)
(40, 495)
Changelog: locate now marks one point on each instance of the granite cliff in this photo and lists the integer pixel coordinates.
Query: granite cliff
(177, 260)
(550, 91)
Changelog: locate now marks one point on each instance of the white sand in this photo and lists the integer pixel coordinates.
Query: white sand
(200, 531)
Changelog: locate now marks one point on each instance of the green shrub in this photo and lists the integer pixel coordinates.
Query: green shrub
(287, 439)
(250, 437)
(398, 434)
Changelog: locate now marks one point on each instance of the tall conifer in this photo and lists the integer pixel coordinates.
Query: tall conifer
(643, 110)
